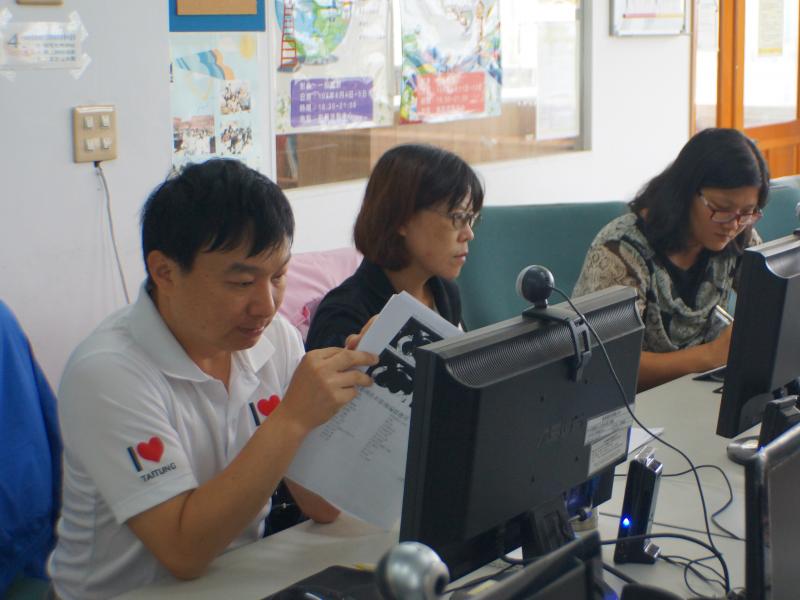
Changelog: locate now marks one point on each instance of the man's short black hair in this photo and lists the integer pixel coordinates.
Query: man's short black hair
(218, 205)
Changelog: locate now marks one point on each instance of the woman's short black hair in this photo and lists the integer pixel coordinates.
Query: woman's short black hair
(217, 205)
(405, 180)
(714, 157)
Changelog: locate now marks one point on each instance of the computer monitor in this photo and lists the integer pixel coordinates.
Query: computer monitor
(572, 572)
(772, 488)
(765, 346)
(501, 427)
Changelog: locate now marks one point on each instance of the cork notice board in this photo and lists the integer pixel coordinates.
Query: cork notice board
(217, 7)
(217, 15)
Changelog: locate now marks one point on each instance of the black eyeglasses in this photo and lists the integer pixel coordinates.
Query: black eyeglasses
(743, 219)
(462, 218)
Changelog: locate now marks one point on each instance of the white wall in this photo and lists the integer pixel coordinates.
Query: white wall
(56, 270)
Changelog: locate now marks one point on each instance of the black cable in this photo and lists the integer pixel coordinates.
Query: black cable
(692, 565)
(717, 554)
(685, 577)
(714, 515)
(699, 562)
(719, 511)
(693, 530)
(618, 574)
(102, 176)
(688, 566)
(501, 550)
(673, 526)
(637, 421)
(724, 529)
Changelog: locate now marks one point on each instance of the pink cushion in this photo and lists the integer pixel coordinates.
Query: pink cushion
(311, 275)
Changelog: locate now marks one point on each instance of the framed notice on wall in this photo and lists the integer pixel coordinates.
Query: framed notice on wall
(649, 17)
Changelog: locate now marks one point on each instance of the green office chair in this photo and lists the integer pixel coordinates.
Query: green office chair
(779, 217)
(509, 238)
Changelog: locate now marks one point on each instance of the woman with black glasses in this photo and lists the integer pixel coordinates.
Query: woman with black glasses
(680, 247)
(414, 229)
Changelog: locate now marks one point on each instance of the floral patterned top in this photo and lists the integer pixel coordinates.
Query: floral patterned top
(621, 255)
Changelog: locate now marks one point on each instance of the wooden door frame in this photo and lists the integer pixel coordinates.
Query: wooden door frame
(693, 71)
(730, 66)
(771, 138)
(730, 61)
(730, 69)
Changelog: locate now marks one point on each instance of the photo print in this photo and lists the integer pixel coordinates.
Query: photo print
(193, 136)
(394, 375)
(411, 336)
(235, 97)
(236, 138)
(395, 370)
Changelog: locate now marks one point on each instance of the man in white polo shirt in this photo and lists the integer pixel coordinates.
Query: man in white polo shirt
(181, 412)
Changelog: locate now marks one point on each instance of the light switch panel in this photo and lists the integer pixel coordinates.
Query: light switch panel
(94, 133)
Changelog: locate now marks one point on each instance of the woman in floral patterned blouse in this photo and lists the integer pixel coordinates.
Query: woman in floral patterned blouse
(680, 247)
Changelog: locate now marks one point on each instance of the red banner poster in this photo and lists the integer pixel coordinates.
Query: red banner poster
(445, 94)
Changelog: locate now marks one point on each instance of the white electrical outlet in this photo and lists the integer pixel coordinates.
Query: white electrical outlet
(94, 133)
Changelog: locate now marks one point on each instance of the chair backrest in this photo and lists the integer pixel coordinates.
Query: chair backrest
(311, 275)
(780, 218)
(510, 238)
(30, 458)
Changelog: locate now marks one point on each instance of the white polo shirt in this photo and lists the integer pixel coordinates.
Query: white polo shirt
(141, 423)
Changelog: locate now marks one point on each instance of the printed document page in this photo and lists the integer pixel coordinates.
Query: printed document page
(357, 460)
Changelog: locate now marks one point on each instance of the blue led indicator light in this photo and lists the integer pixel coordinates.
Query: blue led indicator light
(626, 522)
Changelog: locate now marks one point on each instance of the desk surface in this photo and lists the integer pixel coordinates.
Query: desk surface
(686, 409)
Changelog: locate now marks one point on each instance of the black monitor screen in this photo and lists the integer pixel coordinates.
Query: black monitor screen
(500, 426)
(765, 346)
(773, 529)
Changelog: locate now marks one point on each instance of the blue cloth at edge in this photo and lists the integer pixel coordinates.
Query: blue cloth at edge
(30, 458)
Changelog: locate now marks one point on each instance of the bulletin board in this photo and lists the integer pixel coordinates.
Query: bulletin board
(216, 15)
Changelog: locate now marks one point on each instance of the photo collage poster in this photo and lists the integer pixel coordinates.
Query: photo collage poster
(333, 65)
(214, 94)
(451, 60)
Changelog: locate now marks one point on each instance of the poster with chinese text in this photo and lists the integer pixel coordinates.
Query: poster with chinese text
(451, 60)
(333, 64)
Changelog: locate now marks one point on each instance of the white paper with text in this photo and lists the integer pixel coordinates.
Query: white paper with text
(357, 460)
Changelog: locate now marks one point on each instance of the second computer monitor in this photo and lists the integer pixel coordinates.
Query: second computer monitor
(501, 425)
(765, 346)
(772, 490)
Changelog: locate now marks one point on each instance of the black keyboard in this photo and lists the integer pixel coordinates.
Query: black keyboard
(333, 583)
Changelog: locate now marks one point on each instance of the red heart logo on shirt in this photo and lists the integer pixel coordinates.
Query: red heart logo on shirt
(151, 450)
(265, 407)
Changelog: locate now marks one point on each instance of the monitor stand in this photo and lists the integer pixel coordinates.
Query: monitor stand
(779, 415)
(545, 529)
(742, 449)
